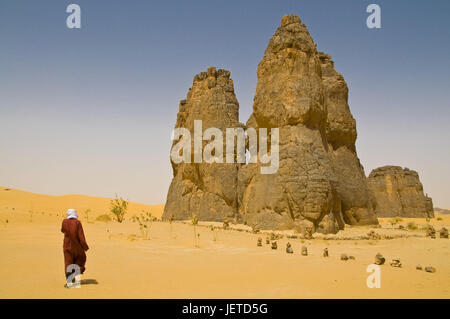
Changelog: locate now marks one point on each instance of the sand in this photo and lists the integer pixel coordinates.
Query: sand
(12, 200)
(168, 265)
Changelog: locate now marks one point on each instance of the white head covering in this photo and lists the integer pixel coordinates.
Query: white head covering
(72, 213)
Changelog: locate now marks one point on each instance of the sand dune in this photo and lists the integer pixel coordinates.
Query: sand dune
(16, 200)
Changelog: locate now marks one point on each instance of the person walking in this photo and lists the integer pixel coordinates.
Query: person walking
(74, 244)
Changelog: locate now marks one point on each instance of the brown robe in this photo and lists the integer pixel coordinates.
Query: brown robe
(74, 245)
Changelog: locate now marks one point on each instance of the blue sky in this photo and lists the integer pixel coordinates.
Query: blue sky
(91, 111)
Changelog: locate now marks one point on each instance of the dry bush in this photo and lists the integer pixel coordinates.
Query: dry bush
(119, 208)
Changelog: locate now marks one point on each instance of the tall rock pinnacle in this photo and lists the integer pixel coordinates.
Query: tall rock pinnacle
(320, 184)
(207, 190)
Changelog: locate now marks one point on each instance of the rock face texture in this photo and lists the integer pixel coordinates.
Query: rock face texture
(320, 184)
(399, 192)
(356, 204)
(207, 190)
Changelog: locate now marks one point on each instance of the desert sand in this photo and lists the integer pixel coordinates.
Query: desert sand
(121, 264)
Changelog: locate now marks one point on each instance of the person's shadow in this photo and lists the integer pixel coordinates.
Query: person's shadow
(89, 282)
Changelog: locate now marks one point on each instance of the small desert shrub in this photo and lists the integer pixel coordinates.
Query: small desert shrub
(131, 237)
(119, 208)
(86, 212)
(395, 221)
(439, 218)
(194, 221)
(103, 218)
(411, 226)
(427, 219)
(213, 229)
(171, 219)
(144, 220)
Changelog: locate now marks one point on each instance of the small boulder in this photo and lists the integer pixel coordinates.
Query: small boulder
(267, 240)
(308, 233)
(259, 244)
(373, 235)
(325, 252)
(274, 244)
(419, 267)
(344, 257)
(443, 233)
(379, 259)
(289, 248)
(430, 232)
(304, 251)
(430, 269)
(396, 262)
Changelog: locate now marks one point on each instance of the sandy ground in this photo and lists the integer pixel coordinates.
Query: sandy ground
(168, 265)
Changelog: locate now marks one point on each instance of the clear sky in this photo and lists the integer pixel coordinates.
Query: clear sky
(91, 111)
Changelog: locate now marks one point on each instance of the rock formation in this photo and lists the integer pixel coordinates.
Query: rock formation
(207, 190)
(320, 184)
(399, 192)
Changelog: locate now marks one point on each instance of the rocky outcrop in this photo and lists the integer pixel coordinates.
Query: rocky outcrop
(399, 192)
(207, 190)
(320, 183)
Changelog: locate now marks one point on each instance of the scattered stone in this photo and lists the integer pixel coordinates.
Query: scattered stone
(325, 252)
(259, 244)
(373, 235)
(289, 248)
(267, 240)
(304, 251)
(443, 233)
(255, 229)
(379, 259)
(274, 236)
(351, 257)
(430, 269)
(274, 244)
(308, 233)
(430, 232)
(396, 262)
(344, 257)
(226, 224)
(419, 267)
